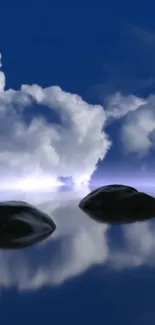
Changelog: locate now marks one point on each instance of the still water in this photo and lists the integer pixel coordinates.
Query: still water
(84, 273)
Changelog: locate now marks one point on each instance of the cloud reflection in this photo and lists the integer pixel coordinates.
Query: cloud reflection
(78, 244)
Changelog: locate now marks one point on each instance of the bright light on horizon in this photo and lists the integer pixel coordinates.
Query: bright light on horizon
(39, 182)
(32, 182)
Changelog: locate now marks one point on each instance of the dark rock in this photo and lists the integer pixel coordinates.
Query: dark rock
(117, 204)
(23, 225)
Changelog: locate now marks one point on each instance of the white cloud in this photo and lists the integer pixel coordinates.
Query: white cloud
(2, 81)
(70, 149)
(119, 106)
(0, 60)
(137, 129)
(39, 151)
(2, 76)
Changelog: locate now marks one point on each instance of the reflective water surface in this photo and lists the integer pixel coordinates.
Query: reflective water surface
(85, 272)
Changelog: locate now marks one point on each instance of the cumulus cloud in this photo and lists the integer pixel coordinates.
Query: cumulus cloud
(138, 129)
(71, 148)
(0, 60)
(33, 155)
(2, 76)
(119, 106)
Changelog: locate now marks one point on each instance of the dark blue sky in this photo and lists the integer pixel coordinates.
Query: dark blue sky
(94, 50)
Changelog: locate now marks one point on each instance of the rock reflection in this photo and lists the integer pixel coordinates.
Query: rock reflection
(22, 225)
(78, 244)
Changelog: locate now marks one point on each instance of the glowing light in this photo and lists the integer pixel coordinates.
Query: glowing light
(82, 180)
(32, 183)
(41, 182)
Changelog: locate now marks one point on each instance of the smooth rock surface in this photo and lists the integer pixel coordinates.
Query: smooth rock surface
(118, 204)
(21, 225)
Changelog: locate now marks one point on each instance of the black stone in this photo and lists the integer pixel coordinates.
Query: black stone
(22, 225)
(118, 204)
